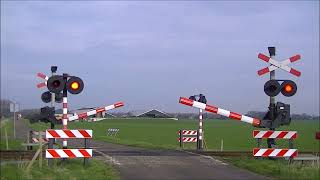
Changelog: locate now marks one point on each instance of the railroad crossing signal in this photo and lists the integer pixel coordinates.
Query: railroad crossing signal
(276, 64)
(273, 88)
(57, 83)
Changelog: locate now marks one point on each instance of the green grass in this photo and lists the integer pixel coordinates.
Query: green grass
(279, 169)
(7, 125)
(71, 169)
(162, 133)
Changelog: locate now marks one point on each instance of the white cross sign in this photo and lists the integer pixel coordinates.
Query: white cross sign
(282, 65)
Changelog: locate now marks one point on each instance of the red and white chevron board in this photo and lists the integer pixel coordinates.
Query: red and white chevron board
(36, 140)
(67, 133)
(68, 153)
(282, 65)
(188, 139)
(93, 112)
(216, 110)
(42, 76)
(188, 132)
(275, 134)
(258, 152)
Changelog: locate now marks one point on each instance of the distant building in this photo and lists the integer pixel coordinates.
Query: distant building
(154, 113)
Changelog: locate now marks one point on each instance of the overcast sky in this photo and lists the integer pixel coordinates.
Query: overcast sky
(148, 54)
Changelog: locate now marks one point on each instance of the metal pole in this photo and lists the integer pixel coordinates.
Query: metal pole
(272, 106)
(200, 130)
(65, 110)
(51, 140)
(86, 145)
(14, 120)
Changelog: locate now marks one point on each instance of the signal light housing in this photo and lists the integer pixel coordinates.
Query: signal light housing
(55, 84)
(287, 88)
(75, 85)
(272, 88)
(46, 97)
(58, 97)
(47, 114)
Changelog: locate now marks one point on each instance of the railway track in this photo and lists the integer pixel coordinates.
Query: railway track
(27, 155)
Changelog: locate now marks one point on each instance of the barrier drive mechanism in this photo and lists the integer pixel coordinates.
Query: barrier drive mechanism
(274, 152)
(188, 136)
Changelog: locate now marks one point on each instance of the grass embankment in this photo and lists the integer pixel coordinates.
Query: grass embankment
(162, 133)
(71, 169)
(6, 126)
(278, 169)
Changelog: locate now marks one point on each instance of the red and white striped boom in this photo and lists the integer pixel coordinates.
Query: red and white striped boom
(93, 112)
(216, 110)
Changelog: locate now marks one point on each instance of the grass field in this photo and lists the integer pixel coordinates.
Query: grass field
(162, 133)
(278, 169)
(7, 126)
(71, 169)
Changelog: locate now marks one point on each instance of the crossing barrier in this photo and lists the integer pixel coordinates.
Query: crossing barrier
(275, 152)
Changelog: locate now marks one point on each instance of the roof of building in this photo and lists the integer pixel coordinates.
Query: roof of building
(154, 113)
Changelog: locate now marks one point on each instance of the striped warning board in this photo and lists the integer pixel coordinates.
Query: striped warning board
(189, 132)
(275, 134)
(188, 139)
(259, 152)
(68, 153)
(66, 133)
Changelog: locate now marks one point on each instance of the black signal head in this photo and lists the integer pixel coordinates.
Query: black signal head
(272, 88)
(75, 85)
(46, 97)
(55, 83)
(288, 88)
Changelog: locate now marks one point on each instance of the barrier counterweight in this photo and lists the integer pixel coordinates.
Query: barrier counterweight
(216, 110)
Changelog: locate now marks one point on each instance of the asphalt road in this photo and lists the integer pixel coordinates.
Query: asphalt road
(138, 163)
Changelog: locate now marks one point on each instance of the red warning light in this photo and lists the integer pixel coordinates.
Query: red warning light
(74, 85)
(288, 88)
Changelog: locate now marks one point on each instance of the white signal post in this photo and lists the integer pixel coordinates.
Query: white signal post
(200, 140)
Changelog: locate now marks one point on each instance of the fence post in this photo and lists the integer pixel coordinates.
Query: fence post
(6, 136)
(40, 149)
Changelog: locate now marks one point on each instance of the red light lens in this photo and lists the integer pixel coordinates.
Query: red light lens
(74, 85)
(288, 88)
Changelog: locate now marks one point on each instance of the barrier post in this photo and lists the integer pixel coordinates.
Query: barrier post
(85, 160)
(180, 136)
